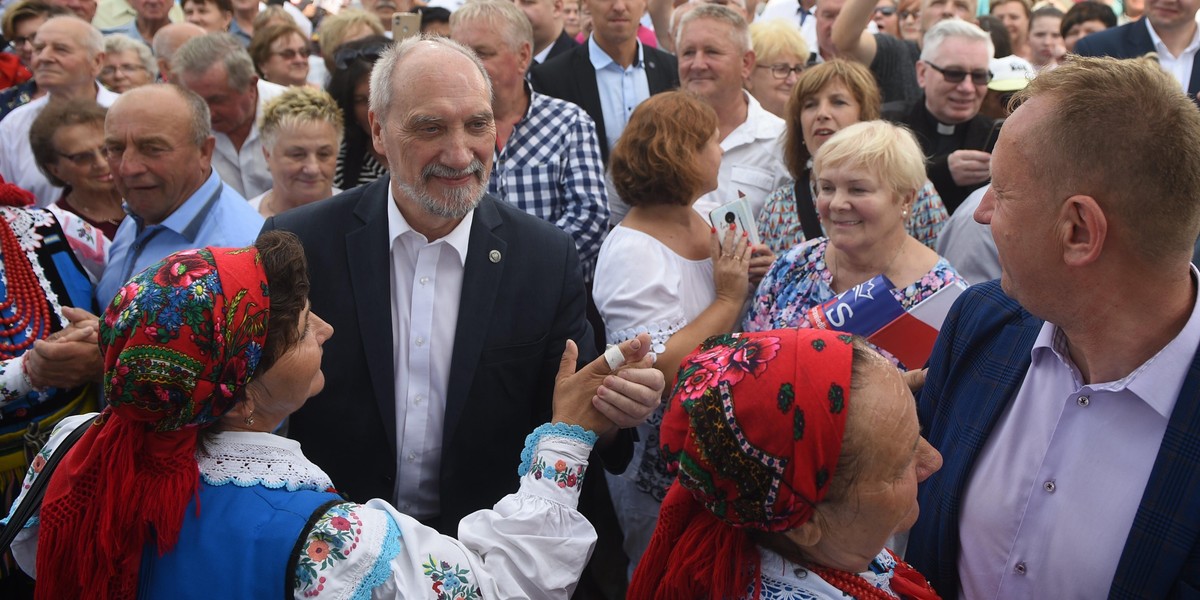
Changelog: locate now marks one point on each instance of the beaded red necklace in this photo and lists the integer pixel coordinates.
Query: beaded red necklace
(25, 297)
(906, 582)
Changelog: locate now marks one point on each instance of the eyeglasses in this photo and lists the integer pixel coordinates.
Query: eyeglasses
(86, 158)
(886, 11)
(19, 42)
(291, 53)
(346, 56)
(781, 71)
(906, 14)
(109, 71)
(958, 75)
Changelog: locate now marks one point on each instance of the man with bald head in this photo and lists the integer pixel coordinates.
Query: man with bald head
(159, 146)
(440, 366)
(168, 40)
(68, 54)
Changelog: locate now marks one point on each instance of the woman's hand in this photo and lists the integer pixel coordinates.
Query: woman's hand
(731, 265)
(761, 259)
(600, 399)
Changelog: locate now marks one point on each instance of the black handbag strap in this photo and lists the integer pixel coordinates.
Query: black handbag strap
(806, 208)
(33, 498)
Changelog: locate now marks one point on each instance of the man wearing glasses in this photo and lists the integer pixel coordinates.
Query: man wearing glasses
(953, 72)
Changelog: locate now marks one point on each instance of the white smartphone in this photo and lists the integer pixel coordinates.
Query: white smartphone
(736, 212)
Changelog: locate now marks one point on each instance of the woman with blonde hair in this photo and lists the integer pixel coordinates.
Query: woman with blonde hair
(780, 55)
(301, 131)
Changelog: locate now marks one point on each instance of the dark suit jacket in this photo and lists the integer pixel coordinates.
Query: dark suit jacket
(971, 135)
(978, 364)
(561, 45)
(572, 77)
(1130, 40)
(514, 318)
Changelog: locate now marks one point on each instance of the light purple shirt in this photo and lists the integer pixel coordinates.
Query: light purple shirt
(1054, 492)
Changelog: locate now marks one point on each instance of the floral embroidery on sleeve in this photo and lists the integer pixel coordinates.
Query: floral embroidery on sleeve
(449, 582)
(566, 476)
(334, 538)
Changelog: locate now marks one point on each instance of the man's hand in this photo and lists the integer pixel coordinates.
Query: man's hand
(915, 380)
(70, 360)
(969, 167)
(79, 319)
(599, 399)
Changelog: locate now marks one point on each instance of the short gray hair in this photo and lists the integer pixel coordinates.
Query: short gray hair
(93, 40)
(517, 29)
(953, 28)
(199, 55)
(718, 12)
(382, 75)
(119, 42)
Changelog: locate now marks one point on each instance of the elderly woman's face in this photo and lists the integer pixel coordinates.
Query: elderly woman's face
(81, 163)
(303, 160)
(883, 499)
(287, 63)
(858, 209)
(123, 71)
(297, 375)
(771, 90)
(827, 112)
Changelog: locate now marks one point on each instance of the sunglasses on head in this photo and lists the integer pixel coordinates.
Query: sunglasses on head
(886, 11)
(953, 75)
(346, 56)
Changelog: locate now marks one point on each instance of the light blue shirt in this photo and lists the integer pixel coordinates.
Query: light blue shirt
(621, 89)
(130, 29)
(215, 215)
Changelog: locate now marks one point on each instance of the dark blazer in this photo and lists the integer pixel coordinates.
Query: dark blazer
(572, 77)
(978, 364)
(522, 298)
(1130, 40)
(972, 135)
(561, 45)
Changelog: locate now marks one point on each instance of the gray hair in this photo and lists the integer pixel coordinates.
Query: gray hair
(517, 29)
(382, 75)
(199, 54)
(119, 42)
(718, 12)
(953, 28)
(93, 40)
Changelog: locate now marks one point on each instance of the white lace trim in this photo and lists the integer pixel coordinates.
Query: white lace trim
(660, 332)
(247, 459)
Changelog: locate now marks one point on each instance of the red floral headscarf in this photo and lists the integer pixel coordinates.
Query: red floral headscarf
(756, 423)
(179, 341)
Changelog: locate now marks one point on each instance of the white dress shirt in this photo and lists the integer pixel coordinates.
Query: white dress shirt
(426, 284)
(791, 11)
(753, 161)
(16, 155)
(1180, 67)
(1055, 489)
(245, 170)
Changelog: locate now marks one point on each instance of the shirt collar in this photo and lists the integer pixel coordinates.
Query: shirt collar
(759, 124)
(1157, 381)
(600, 59)
(1160, 47)
(457, 238)
(186, 219)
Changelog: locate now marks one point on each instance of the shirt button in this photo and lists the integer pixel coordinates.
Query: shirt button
(424, 280)
(1082, 401)
(412, 456)
(1020, 568)
(420, 341)
(418, 399)
(1049, 486)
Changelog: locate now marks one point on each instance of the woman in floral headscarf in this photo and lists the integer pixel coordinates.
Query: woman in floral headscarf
(179, 489)
(798, 455)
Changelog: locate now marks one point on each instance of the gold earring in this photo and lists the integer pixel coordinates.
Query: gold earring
(249, 420)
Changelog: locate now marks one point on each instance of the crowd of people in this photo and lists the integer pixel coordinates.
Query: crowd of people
(288, 289)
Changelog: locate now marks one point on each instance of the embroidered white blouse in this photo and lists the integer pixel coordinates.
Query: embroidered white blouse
(532, 544)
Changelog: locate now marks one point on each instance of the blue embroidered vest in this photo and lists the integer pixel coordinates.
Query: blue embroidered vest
(240, 546)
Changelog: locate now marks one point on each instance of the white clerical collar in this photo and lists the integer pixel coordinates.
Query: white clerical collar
(944, 129)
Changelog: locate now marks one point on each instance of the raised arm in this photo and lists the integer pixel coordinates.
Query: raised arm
(850, 35)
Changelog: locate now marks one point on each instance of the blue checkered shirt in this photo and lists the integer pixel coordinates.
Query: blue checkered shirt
(550, 168)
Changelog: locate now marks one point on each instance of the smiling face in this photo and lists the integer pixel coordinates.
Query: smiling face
(123, 71)
(302, 161)
(827, 112)
(711, 65)
(296, 376)
(769, 90)
(953, 103)
(207, 15)
(60, 60)
(1171, 15)
(81, 163)
(287, 63)
(1012, 14)
(858, 209)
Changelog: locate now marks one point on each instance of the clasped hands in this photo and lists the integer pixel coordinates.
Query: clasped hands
(70, 357)
(602, 400)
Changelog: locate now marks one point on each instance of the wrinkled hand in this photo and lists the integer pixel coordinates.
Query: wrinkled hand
(915, 379)
(79, 319)
(600, 400)
(969, 167)
(731, 265)
(761, 259)
(70, 360)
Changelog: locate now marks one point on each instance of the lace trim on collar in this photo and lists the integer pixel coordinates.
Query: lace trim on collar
(247, 459)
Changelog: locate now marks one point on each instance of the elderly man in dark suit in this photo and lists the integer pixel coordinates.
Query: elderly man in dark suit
(1169, 29)
(451, 308)
(1065, 398)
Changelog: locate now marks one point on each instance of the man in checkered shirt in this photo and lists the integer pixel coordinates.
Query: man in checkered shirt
(547, 154)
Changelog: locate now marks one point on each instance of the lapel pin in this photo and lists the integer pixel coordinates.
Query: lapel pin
(494, 256)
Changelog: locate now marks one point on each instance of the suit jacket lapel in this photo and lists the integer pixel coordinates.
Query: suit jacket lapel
(658, 79)
(589, 91)
(481, 280)
(1167, 523)
(367, 255)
